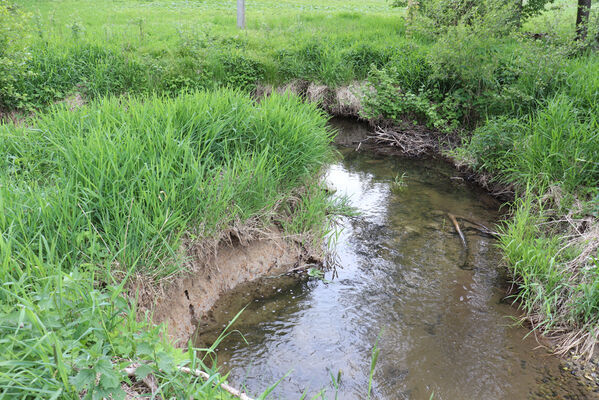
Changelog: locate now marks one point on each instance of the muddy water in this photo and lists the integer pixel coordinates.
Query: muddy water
(441, 328)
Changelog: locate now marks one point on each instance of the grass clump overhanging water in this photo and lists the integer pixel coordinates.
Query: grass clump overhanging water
(92, 196)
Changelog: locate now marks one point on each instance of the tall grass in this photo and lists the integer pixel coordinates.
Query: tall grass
(119, 182)
(91, 196)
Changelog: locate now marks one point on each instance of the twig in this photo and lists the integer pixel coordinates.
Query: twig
(457, 228)
(150, 381)
(482, 227)
(224, 386)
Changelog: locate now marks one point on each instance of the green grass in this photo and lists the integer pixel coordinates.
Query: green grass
(111, 189)
(91, 196)
(106, 47)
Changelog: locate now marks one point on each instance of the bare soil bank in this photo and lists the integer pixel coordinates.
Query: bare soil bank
(187, 299)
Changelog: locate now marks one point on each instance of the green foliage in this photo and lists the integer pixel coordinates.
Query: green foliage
(389, 101)
(443, 13)
(558, 145)
(13, 23)
(111, 187)
(539, 263)
(241, 72)
(141, 172)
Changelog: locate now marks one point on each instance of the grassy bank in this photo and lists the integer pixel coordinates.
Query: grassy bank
(90, 197)
(522, 109)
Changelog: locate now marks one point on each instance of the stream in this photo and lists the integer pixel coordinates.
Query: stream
(437, 314)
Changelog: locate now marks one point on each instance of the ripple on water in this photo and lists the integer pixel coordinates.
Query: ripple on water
(440, 328)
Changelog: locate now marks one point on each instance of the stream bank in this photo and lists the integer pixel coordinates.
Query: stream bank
(186, 302)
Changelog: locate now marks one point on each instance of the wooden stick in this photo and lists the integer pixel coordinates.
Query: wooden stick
(457, 228)
(224, 386)
(150, 382)
(483, 229)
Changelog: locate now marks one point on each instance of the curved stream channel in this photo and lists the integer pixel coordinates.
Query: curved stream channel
(442, 329)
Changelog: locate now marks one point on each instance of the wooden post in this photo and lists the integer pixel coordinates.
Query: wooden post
(241, 14)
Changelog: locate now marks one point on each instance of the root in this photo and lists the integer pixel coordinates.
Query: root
(414, 143)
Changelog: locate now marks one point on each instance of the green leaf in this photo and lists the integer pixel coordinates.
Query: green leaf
(143, 370)
(144, 348)
(84, 379)
(103, 366)
(165, 361)
(110, 380)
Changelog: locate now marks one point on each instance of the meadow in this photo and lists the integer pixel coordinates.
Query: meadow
(87, 192)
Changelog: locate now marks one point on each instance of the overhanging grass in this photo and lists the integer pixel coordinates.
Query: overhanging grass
(123, 179)
(113, 186)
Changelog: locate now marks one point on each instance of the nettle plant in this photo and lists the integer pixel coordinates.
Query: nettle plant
(389, 101)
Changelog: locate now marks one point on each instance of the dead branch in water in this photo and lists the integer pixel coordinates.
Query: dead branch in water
(457, 228)
(478, 226)
(413, 142)
(150, 381)
(462, 237)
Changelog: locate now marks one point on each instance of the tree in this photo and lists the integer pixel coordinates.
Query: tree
(582, 18)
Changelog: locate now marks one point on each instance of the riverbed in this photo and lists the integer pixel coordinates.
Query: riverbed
(438, 314)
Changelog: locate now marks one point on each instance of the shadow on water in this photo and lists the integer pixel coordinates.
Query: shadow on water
(442, 329)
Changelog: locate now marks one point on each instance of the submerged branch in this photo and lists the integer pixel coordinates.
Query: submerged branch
(457, 228)
(462, 237)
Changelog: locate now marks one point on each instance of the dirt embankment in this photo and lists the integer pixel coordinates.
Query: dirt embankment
(184, 301)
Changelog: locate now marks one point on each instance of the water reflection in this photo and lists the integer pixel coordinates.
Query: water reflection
(441, 329)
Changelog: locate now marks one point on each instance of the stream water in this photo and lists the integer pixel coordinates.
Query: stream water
(441, 328)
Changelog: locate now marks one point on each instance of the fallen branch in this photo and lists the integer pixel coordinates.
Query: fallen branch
(412, 142)
(457, 228)
(150, 381)
(465, 245)
(482, 228)
(231, 390)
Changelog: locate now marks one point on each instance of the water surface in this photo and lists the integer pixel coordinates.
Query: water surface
(441, 329)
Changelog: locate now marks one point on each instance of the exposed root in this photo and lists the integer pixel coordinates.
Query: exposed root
(414, 142)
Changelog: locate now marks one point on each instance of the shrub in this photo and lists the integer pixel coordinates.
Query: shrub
(388, 100)
(241, 72)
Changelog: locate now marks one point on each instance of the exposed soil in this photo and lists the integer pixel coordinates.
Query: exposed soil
(186, 300)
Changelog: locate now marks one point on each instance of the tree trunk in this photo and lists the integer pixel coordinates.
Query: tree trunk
(518, 13)
(582, 19)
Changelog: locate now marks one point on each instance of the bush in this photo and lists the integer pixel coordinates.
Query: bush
(499, 15)
(240, 72)
(388, 100)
